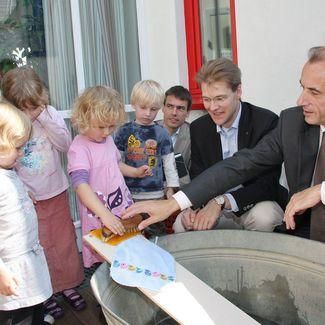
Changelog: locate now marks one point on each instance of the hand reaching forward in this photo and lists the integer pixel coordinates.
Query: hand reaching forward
(300, 202)
(90, 200)
(158, 210)
(113, 223)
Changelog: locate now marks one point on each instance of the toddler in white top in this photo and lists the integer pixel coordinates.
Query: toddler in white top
(24, 277)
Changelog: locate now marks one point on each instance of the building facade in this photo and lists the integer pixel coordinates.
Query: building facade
(74, 44)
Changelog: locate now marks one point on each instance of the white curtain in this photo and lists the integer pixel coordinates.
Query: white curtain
(104, 34)
(61, 66)
(60, 53)
(99, 43)
(104, 38)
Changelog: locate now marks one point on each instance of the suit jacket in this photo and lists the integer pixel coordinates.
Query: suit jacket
(293, 142)
(183, 146)
(206, 150)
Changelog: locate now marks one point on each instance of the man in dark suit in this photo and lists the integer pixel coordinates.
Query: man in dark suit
(298, 141)
(229, 126)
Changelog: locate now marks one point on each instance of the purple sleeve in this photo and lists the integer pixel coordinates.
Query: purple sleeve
(78, 177)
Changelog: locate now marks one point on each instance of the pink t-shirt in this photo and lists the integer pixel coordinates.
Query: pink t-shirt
(40, 167)
(105, 178)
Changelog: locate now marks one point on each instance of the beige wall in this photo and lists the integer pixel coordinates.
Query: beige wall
(273, 38)
(162, 40)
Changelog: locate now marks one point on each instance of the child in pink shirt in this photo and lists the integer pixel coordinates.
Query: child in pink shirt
(41, 171)
(94, 164)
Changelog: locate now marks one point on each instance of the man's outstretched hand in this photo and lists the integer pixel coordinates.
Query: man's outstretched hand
(158, 210)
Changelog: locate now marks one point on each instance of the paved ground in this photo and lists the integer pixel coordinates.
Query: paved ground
(91, 315)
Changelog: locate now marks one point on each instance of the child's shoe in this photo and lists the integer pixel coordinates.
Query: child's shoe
(52, 308)
(74, 298)
(48, 320)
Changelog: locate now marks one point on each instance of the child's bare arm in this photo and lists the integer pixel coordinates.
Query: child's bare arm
(8, 283)
(129, 171)
(91, 201)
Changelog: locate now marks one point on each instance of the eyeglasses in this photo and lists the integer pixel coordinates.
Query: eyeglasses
(179, 108)
(215, 100)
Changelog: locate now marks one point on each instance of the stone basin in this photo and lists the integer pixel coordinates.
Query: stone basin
(275, 278)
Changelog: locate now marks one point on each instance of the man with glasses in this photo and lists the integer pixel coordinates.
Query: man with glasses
(298, 141)
(229, 126)
(177, 105)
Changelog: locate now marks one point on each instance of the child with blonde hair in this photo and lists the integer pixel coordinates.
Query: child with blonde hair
(144, 141)
(94, 164)
(41, 171)
(24, 277)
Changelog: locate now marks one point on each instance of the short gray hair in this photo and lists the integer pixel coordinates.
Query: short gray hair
(316, 54)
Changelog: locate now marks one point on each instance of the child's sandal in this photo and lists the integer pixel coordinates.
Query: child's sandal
(53, 308)
(75, 300)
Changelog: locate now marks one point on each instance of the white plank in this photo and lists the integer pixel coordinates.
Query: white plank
(188, 300)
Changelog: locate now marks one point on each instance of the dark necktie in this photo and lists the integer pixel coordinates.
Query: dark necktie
(317, 223)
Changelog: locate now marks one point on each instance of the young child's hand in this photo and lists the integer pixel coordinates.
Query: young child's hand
(33, 113)
(114, 224)
(169, 192)
(32, 197)
(8, 283)
(144, 171)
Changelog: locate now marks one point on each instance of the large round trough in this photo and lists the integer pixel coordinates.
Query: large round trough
(275, 278)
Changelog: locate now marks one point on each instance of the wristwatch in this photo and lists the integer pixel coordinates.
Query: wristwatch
(220, 200)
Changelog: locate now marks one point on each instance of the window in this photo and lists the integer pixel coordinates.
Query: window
(106, 28)
(72, 48)
(210, 34)
(22, 36)
(42, 34)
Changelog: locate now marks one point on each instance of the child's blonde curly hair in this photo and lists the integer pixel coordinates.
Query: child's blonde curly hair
(15, 127)
(99, 103)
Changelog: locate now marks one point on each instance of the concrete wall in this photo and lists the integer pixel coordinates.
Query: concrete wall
(273, 38)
